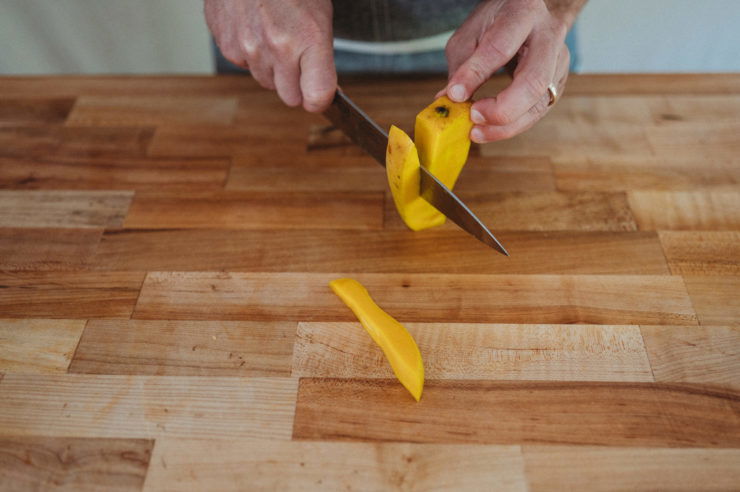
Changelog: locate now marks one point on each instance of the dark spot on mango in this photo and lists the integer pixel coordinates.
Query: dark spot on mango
(443, 111)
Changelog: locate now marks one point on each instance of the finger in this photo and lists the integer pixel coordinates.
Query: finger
(318, 77)
(459, 48)
(288, 82)
(535, 71)
(262, 72)
(498, 45)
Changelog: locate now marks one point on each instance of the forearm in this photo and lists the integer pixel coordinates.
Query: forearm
(565, 10)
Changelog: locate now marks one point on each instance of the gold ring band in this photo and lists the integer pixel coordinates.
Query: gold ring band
(553, 92)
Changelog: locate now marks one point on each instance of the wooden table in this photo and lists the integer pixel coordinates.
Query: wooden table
(166, 245)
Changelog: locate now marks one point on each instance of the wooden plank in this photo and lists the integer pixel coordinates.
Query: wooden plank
(686, 210)
(47, 249)
(679, 109)
(151, 111)
(185, 348)
(715, 299)
(699, 354)
(702, 252)
(76, 405)
(702, 140)
(34, 110)
(38, 346)
(112, 173)
(69, 294)
(44, 463)
(478, 351)
(546, 211)
(592, 299)
(611, 414)
(179, 464)
(554, 468)
(63, 209)
(47, 141)
(389, 251)
(255, 210)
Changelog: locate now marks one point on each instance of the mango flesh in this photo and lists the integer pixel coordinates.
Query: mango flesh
(396, 342)
(442, 144)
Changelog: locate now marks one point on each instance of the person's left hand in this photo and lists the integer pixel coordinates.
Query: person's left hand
(496, 32)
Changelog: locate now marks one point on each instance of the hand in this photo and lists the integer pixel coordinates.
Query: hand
(496, 32)
(286, 45)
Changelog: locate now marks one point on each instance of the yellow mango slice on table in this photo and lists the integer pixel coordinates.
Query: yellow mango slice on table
(442, 145)
(396, 342)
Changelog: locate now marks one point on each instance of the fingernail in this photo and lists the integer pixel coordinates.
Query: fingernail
(477, 117)
(457, 93)
(477, 135)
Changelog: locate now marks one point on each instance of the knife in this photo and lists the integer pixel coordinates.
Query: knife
(363, 131)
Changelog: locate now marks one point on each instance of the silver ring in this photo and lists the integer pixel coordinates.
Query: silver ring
(553, 92)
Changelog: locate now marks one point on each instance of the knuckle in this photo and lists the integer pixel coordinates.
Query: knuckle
(498, 50)
(499, 117)
(536, 86)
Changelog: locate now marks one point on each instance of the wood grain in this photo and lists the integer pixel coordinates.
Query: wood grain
(276, 465)
(38, 346)
(45, 463)
(524, 211)
(151, 111)
(699, 354)
(477, 351)
(60, 209)
(76, 405)
(562, 252)
(185, 348)
(34, 110)
(420, 298)
(709, 139)
(555, 468)
(255, 210)
(686, 210)
(112, 173)
(702, 252)
(450, 411)
(715, 299)
(69, 294)
(47, 249)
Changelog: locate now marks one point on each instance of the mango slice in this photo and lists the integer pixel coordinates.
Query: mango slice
(442, 145)
(397, 344)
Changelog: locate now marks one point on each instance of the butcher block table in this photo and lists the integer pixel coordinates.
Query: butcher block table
(166, 323)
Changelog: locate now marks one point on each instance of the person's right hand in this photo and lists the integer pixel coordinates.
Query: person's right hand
(286, 45)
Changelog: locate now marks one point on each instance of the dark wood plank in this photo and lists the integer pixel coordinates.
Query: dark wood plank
(686, 210)
(255, 210)
(715, 299)
(46, 463)
(562, 299)
(69, 294)
(697, 354)
(185, 348)
(388, 251)
(47, 249)
(34, 110)
(63, 209)
(702, 252)
(609, 414)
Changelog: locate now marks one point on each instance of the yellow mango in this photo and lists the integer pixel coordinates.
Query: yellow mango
(396, 342)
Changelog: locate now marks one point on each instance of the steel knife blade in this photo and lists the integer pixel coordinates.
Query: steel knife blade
(363, 131)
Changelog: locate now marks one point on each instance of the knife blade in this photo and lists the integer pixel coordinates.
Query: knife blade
(366, 133)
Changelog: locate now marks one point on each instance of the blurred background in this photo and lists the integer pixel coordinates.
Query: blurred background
(170, 36)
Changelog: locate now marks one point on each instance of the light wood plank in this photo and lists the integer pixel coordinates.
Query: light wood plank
(686, 210)
(34, 110)
(699, 354)
(75, 405)
(274, 465)
(704, 139)
(112, 173)
(38, 346)
(715, 299)
(554, 211)
(562, 252)
(185, 348)
(63, 209)
(702, 252)
(420, 298)
(454, 411)
(69, 294)
(554, 468)
(477, 351)
(47, 249)
(255, 210)
(151, 111)
(44, 463)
